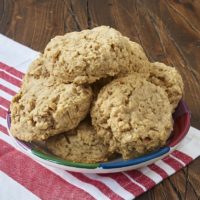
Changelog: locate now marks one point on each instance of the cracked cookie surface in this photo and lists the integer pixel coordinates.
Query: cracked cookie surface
(169, 79)
(89, 55)
(138, 61)
(79, 145)
(45, 107)
(132, 115)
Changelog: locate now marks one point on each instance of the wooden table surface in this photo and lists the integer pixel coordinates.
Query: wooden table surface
(168, 30)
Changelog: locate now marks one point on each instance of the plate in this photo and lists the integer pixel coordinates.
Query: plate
(38, 152)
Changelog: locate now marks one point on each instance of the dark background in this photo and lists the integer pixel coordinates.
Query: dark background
(168, 30)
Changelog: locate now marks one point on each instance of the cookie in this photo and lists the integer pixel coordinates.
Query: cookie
(79, 145)
(46, 107)
(132, 116)
(169, 79)
(89, 55)
(138, 61)
(38, 69)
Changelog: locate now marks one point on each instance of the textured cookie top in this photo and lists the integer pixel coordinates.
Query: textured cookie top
(45, 107)
(138, 61)
(89, 55)
(79, 145)
(169, 79)
(86, 56)
(39, 69)
(132, 115)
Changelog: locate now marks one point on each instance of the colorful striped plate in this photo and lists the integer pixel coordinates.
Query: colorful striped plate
(38, 152)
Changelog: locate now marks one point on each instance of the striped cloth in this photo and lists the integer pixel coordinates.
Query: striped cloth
(22, 178)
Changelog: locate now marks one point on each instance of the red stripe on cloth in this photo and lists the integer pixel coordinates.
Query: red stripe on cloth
(3, 113)
(102, 187)
(3, 129)
(173, 163)
(4, 102)
(182, 156)
(10, 79)
(5, 89)
(141, 178)
(11, 70)
(158, 170)
(36, 178)
(125, 182)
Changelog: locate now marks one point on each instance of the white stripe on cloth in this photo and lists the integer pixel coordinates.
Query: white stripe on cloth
(23, 67)
(12, 53)
(6, 96)
(168, 169)
(7, 139)
(192, 147)
(178, 160)
(9, 85)
(133, 180)
(113, 185)
(3, 107)
(89, 188)
(3, 121)
(11, 190)
(151, 174)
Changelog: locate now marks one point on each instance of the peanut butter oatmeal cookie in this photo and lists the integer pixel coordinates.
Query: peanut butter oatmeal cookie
(132, 116)
(89, 55)
(169, 79)
(79, 145)
(45, 107)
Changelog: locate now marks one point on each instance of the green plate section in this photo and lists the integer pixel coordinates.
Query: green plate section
(56, 160)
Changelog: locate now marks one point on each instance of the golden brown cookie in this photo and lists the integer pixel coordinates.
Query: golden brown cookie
(45, 107)
(79, 145)
(132, 116)
(138, 61)
(86, 56)
(169, 79)
(38, 69)
(89, 55)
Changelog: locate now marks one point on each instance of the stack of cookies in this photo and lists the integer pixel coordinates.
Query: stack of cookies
(93, 95)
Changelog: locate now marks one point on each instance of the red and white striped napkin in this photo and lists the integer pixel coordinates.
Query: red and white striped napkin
(22, 178)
